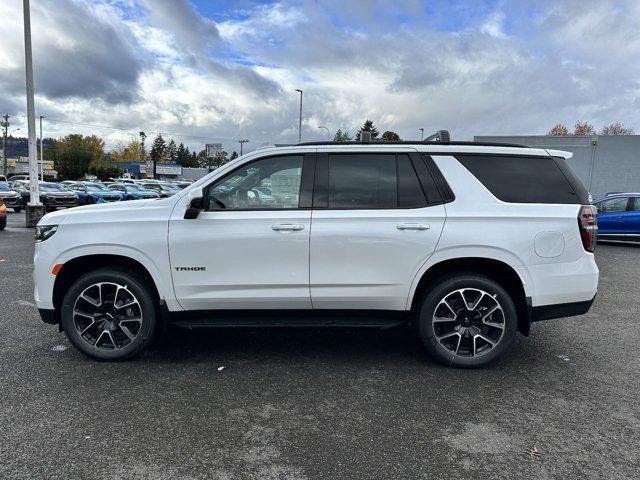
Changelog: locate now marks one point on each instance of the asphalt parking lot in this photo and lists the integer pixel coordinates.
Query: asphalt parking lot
(321, 404)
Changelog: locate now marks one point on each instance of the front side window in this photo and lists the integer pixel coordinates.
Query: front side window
(613, 205)
(269, 184)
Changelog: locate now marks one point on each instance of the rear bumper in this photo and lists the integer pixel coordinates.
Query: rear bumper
(560, 310)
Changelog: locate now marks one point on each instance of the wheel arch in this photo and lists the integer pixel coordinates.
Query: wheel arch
(74, 268)
(497, 270)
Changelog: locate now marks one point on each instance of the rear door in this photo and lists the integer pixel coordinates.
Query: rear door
(375, 222)
(632, 220)
(611, 216)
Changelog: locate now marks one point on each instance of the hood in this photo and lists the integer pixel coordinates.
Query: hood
(93, 215)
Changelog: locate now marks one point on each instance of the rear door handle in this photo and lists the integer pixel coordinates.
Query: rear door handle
(412, 226)
(287, 227)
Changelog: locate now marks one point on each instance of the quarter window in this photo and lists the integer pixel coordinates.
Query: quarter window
(269, 184)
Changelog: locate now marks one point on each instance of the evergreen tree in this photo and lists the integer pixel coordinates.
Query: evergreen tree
(234, 155)
(158, 149)
(341, 136)
(172, 151)
(368, 126)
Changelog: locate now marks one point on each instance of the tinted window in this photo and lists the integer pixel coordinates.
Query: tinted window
(410, 194)
(269, 184)
(521, 179)
(636, 204)
(362, 181)
(613, 205)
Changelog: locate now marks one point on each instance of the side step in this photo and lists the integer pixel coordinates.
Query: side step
(288, 318)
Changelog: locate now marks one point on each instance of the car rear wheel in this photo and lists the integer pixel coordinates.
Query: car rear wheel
(89, 201)
(467, 320)
(17, 209)
(109, 314)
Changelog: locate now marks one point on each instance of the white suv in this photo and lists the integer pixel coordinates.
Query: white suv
(469, 242)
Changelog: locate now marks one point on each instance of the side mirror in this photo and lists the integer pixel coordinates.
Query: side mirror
(195, 201)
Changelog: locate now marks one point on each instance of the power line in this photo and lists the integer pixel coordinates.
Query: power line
(129, 130)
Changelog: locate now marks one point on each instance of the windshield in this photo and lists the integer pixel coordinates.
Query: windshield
(96, 187)
(51, 187)
(4, 187)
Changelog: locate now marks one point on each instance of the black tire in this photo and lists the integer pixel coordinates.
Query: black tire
(89, 201)
(17, 209)
(133, 284)
(3, 223)
(443, 351)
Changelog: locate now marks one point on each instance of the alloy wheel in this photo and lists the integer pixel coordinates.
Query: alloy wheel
(107, 316)
(469, 322)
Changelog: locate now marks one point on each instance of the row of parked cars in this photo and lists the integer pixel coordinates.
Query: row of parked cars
(15, 192)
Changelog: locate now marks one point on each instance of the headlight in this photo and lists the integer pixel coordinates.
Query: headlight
(44, 232)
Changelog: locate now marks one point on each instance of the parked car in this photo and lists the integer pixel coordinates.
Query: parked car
(3, 214)
(12, 199)
(470, 242)
(92, 192)
(130, 191)
(619, 217)
(52, 195)
(163, 189)
(3, 178)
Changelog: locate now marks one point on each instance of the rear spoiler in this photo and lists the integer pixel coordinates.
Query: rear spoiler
(560, 153)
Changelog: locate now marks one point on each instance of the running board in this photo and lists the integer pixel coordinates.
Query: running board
(288, 318)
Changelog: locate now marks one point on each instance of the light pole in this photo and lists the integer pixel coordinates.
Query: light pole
(41, 151)
(421, 134)
(328, 132)
(242, 142)
(35, 209)
(300, 118)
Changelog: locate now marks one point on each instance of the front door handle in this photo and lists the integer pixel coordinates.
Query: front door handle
(287, 227)
(412, 226)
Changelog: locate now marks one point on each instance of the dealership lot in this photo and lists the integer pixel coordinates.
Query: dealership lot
(321, 403)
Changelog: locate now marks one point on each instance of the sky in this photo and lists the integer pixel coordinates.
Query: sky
(218, 71)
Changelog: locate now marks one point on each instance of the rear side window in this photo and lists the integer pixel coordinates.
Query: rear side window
(522, 179)
(373, 181)
(635, 207)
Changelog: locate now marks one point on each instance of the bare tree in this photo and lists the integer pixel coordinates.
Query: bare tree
(559, 129)
(583, 128)
(616, 129)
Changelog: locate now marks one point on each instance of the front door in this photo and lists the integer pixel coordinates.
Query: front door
(375, 223)
(250, 248)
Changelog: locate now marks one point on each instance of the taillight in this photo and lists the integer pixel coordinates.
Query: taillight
(588, 225)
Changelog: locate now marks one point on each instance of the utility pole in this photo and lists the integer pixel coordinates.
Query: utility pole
(421, 134)
(5, 126)
(242, 142)
(41, 151)
(34, 210)
(300, 118)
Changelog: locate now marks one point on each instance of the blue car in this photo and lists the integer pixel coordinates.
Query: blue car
(619, 217)
(130, 191)
(90, 192)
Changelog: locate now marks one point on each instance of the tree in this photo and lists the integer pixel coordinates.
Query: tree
(172, 151)
(234, 155)
(559, 129)
(616, 129)
(583, 128)
(158, 149)
(390, 136)
(130, 152)
(368, 126)
(73, 154)
(341, 136)
(105, 170)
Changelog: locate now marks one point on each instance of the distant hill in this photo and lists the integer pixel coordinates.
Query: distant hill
(19, 146)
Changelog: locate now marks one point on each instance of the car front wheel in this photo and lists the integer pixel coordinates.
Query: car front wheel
(467, 320)
(109, 314)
